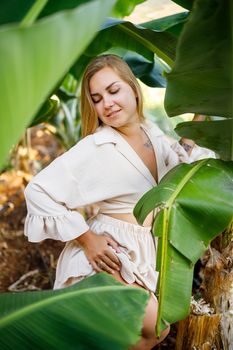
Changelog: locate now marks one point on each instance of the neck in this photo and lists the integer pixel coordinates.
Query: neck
(130, 130)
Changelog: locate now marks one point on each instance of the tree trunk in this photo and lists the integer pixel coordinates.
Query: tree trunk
(199, 333)
(213, 332)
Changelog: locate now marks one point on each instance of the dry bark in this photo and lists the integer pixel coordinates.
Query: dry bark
(213, 332)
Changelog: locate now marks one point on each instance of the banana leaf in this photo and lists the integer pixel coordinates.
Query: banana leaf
(172, 24)
(186, 223)
(34, 59)
(49, 109)
(14, 10)
(149, 70)
(185, 3)
(145, 39)
(97, 313)
(124, 8)
(216, 135)
(202, 78)
(150, 73)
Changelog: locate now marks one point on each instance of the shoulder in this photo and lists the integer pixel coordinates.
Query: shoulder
(88, 149)
(91, 143)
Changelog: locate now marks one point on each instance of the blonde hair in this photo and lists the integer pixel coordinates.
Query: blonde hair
(89, 117)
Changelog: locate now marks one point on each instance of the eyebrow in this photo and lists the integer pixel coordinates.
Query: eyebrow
(108, 87)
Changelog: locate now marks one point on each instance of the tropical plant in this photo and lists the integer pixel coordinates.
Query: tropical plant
(26, 38)
(66, 120)
(119, 37)
(200, 65)
(37, 54)
(191, 212)
(186, 223)
(96, 313)
(206, 78)
(35, 57)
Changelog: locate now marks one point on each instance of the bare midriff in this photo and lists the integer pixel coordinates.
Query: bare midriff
(131, 218)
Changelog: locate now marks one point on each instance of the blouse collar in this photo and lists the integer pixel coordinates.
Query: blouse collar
(107, 134)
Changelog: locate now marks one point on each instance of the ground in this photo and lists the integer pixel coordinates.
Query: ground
(23, 265)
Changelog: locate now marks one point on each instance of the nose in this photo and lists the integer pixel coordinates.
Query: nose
(108, 102)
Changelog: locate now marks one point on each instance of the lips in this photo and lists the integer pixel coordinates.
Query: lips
(112, 114)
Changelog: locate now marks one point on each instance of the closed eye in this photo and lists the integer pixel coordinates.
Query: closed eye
(96, 100)
(112, 92)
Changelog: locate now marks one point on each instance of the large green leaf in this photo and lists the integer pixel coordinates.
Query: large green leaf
(14, 10)
(202, 79)
(172, 24)
(187, 221)
(34, 59)
(150, 73)
(97, 313)
(124, 8)
(145, 39)
(185, 3)
(216, 135)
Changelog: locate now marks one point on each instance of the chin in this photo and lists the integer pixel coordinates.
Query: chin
(114, 123)
(117, 124)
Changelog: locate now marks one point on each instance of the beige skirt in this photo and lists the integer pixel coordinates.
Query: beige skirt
(137, 256)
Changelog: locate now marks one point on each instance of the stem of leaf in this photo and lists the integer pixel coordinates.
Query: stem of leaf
(33, 13)
(166, 214)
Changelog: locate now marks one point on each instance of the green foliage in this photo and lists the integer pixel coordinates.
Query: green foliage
(14, 10)
(195, 200)
(187, 221)
(154, 37)
(124, 8)
(97, 313)
(33, 13)
(203, 70)
(67, 123)
(216, 135)
(202, 79)
(172, 24)
(61, 111)
(150, 73)
(185, 3)
(34, 59)
(47, 111)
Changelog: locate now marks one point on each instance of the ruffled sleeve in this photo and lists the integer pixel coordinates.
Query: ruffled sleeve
(52, 199)
(48, 218)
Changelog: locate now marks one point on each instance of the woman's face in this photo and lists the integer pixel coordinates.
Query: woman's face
(114, 100)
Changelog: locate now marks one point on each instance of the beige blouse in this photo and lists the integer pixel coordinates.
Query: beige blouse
(101, 169)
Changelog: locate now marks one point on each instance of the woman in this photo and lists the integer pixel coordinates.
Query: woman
(121, 157)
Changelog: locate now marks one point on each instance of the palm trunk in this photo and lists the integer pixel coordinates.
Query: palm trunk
(213, 332)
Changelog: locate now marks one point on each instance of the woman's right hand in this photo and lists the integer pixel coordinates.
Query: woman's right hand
(97, 249)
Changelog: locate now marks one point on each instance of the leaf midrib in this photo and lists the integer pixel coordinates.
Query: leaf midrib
(147, 43)
(183, 182)
(52, 299)
(166, 220)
